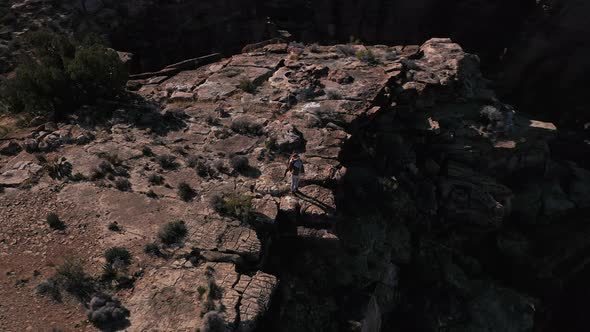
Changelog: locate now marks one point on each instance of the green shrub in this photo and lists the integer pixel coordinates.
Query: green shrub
(155, 179)
(49, 288)
(366, 56)
(152, 249)
(234, 205)
(61, 75)
(173, 232)
(167, 161)
(114, 227)
(239, 163)
(73, 278)
(247, 85)
(186, 192)
(118, 255)
(147, 151)
(54, 222)
(58, 168)
(245, 126)
(123, 184)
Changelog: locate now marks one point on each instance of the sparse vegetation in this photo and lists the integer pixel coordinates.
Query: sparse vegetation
(185, 191)
(192, 161)
(147, 151)
(118, 256)
(107, 312)
(123, 184)
(247, 85)
(235, 205)
(155, 179)
(167, 161)
(62, 74)
(114, 227)
(173, 232)
(305, 93)
(72, 277)
(366, 56)
(219, 165)
(78, 177)
(212, 121)
(51, 289)
(392, 56)
(246, 126)
(333, 95)
(315, 48)
(58, 168)
(151, 194)
(239, 163)
(54, 222)
(152, 249)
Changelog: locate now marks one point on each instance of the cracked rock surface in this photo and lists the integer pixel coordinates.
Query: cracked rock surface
(408, 197)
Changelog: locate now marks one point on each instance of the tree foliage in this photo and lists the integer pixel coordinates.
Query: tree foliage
(60, 74)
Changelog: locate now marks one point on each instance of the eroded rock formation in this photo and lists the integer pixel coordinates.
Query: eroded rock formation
(416, 211)
(534, 50)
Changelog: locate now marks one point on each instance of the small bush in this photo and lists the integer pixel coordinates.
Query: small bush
(51, 289)
(366, 56)
(247, 85)
(156, 179)
(212, 121)
(54, 222)
(186, 192)
(391, 56)
(234, 205)
(305, 93)
(103, 169)
(107, 313)
(245, 126)
(78, 177)
(315, 48)
(73, 278)
(347, 49)
(147, 151)
(204, 170)
(58, 168)
(152, 249)
(118, 256)
(219, 166)
(114, 227)
(151, 194)
(167, 161)
(192, 161)
(239, 163)
(123, 184)
(333, 95)
(173, 232)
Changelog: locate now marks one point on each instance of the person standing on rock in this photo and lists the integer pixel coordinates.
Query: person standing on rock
(295, 166)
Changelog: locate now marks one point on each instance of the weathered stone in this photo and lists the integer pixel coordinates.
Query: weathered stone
(10, 148)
